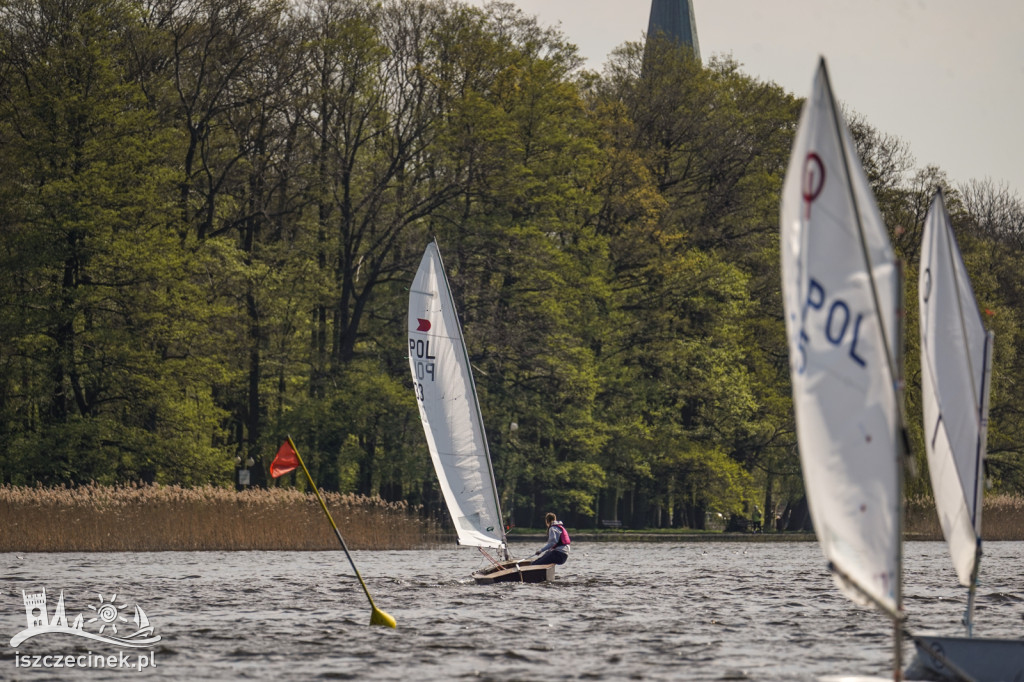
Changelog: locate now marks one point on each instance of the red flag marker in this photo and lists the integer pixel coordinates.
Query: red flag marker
(285, 460)
(288, 459)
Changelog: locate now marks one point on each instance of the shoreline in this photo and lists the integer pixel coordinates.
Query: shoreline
(443, 541)
(683, 536)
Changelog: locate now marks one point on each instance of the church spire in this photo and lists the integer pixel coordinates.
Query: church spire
(674, 20)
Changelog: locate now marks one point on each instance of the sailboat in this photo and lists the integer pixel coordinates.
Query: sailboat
(453, 425)
(842, 295)
(956, 366)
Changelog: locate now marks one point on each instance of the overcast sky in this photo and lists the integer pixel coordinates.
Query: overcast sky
(945, 76)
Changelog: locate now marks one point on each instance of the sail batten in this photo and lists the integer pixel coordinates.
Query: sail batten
(449, 407)
(842, 294)
(955, 370)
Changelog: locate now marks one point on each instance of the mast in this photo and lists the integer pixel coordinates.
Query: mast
(986, 377)
(894, 362)
(902, 455)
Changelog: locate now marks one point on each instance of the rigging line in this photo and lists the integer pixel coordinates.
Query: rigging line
(489, 558)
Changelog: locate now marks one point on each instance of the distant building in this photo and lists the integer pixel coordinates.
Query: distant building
(674, 20)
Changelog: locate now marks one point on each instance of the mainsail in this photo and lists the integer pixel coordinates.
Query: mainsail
(449, 408)
(956, 357)
(841, 292)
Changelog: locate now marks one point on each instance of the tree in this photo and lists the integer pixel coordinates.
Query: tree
(101, 386)
(701, 290)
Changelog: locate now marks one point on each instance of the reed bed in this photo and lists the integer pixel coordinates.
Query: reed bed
(1002, 518)
(96, 518)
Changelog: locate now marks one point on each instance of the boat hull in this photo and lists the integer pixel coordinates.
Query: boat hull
(984, 660)
(514, 572)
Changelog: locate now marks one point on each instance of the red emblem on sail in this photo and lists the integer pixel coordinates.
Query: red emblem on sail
(424, 325)
(814, 179)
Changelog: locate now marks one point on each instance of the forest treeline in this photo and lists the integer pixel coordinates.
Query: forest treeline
(211, 210)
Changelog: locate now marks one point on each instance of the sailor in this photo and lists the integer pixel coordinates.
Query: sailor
(556, 551)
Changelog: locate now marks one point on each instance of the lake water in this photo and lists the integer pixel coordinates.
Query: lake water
(617, 611)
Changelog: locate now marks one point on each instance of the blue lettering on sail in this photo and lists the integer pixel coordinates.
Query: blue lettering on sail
(837, 327)
(836, 337)
(813, 289)
(853, 344)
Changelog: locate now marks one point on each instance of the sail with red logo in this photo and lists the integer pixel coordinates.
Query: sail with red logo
(842, 296)
(449, 409)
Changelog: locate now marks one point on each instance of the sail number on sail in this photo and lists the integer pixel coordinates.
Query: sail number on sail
(420, 349)
(838, 328)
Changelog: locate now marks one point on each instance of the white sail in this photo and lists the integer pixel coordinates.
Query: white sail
(955, 365)
(449, 408)
(840, 286)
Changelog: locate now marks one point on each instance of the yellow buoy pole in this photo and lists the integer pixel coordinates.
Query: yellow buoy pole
(377, 617)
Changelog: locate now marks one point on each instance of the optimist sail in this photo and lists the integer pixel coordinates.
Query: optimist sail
(956, 360)
(841, 291)
(449, 408)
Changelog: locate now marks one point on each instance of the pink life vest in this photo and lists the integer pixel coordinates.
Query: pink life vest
(563, 538)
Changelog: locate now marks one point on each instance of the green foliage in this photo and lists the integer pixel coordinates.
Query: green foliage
(574, 486)
(211, 213)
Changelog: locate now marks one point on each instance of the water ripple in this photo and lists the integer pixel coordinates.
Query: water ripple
(615, 612)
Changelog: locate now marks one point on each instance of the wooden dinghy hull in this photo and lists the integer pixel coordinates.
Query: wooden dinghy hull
(513, 572)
